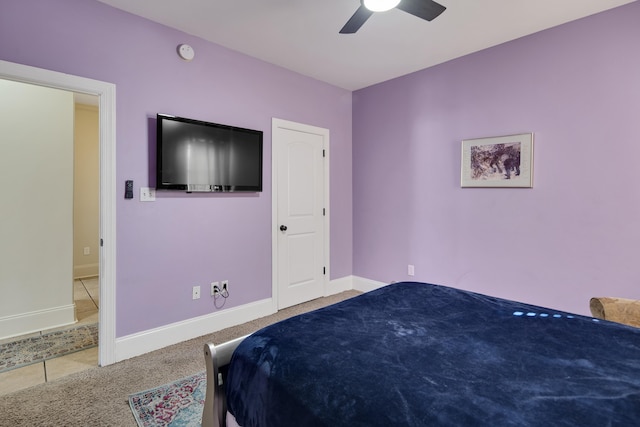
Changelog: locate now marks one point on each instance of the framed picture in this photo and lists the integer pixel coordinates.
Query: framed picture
(501, 161)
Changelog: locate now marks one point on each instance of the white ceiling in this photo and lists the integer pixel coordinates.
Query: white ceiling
(302, 35)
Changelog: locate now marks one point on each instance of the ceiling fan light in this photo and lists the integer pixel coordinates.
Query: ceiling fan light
(380, 5)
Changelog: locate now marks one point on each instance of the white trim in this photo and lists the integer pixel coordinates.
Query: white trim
(366, 285)
(274, 218)
(86, 270)
(39, 320)
(154, 339)
(339, 285)
(107, 114)
(299, 127)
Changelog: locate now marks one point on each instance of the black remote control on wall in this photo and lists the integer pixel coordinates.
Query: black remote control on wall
(128, 189)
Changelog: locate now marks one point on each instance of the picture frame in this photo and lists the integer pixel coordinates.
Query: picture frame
(501, 161)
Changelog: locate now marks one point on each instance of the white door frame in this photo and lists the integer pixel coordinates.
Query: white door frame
(107, 115)
(285, 124)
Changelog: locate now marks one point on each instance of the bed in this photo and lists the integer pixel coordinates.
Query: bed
(418, 354)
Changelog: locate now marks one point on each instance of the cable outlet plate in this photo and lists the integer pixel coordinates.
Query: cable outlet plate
(215, 288)
(196, 292)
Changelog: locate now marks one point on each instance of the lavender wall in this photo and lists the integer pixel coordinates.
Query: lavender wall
(164, 248)
(576, 234)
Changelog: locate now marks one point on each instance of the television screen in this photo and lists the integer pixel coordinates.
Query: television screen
(193, 155)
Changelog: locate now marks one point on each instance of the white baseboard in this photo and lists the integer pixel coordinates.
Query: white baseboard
(35, 321)
(154, 339)
(353, 282)
(85, 270)
(366, 285)
(339, 285)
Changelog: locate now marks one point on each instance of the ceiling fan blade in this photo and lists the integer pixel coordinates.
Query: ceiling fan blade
(425, 9)
(356, 21)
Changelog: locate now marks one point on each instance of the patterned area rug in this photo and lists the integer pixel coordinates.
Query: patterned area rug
(178, 404)
(47, 346)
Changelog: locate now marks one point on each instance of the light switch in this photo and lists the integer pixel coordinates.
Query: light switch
(147, 194)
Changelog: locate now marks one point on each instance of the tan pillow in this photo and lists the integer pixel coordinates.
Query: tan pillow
(621, 310)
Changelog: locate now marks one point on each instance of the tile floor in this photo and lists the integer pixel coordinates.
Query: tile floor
(86, 297)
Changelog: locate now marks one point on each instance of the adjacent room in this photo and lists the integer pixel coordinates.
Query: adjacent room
(50, 245)
(360, 121)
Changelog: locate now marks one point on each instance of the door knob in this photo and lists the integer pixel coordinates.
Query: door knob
(283, 228)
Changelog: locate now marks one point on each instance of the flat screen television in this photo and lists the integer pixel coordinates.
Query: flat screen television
(197, 156)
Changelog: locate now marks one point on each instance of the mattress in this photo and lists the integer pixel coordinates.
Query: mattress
(417, 354)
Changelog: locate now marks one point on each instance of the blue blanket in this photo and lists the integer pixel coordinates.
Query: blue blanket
(415, 354)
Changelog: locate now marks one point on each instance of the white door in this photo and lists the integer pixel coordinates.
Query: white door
(300, 209)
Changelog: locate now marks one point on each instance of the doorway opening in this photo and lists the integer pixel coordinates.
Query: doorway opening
(51, 312)
(105, 93)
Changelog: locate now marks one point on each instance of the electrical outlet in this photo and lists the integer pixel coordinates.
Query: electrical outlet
(215, 288)
(196, 292)
(87, 250)
(411, 270)
(224, 291)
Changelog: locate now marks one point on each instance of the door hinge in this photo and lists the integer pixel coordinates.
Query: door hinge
(324, 212)
(101, 242)
(324, 270)
(324, 153)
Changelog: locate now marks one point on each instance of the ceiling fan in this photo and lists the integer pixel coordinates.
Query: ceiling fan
(425, 9)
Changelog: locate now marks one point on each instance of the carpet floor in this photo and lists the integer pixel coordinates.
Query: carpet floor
(27, 351)
(100, 396)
